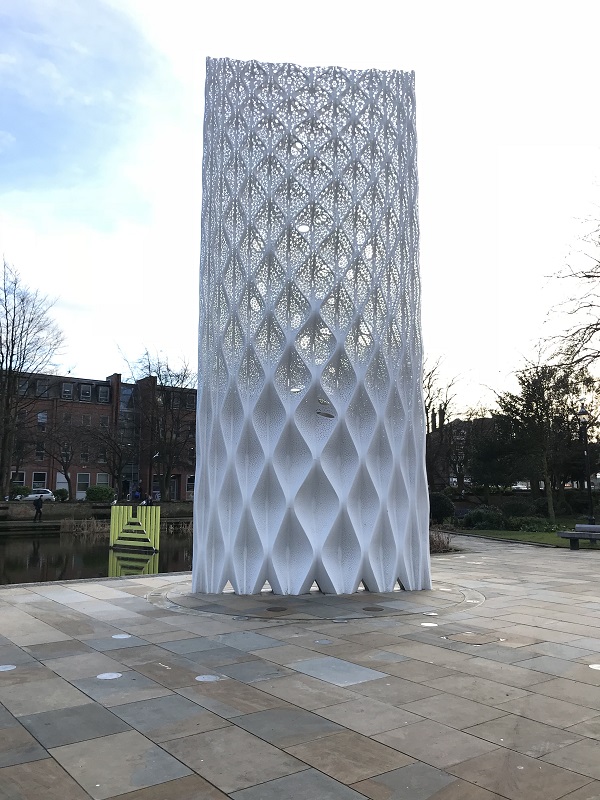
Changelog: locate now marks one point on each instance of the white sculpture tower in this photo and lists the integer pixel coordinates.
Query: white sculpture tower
(311, 428)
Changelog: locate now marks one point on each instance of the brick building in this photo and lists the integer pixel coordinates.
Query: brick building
(76, 433)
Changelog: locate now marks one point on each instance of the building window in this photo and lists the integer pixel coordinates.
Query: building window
(86, 420)
(65, 451)
(39, 451)
(83, 481)
(103, 479)
(67, 418)
(84, 456)
(39, 480)
(42, 419)
(85, 392)
(17, 478)
(67, 391)
(23, 387)
(41, 388)
(103, 394)
(175, 400)
(190, 400)
(102, 456)
(189, 486)
(104, 422)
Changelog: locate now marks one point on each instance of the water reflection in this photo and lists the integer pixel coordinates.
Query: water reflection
(33, 559)
(131, 563)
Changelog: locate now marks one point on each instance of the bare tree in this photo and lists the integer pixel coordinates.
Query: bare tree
(438, 395)
(115, 447)
(443, 445)
(29, 341)
(580, 342)
(23, 445)
(166, 405)
(66, 443)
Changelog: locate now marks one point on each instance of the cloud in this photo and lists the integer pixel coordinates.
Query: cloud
(6, 141)
(72, 78)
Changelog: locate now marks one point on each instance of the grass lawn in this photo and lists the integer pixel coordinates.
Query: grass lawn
(530, 538)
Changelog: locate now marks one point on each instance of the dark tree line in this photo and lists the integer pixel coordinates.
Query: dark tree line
(533, 434)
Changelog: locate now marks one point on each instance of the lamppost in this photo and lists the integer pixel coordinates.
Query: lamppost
(154, 465)
(584, 418)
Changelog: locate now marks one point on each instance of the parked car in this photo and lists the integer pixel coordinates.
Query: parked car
(45, 494)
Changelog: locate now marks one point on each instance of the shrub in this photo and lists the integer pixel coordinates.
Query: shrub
(574, 505)
(484, 518)
(61, 494)
(453, 492)
(439, 541)
(480, 489)
(183, 529)
(90, 529)
(485, 525)
(18, 491)
(100, 494)
(540, 507)
(579, 502)
(562, 508)
(459, 515)
(440, 507)
(528, 524)
(517, 508)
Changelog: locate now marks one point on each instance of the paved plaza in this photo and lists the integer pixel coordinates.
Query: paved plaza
(486, 687)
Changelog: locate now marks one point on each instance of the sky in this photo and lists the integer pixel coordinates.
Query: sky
(101, 109)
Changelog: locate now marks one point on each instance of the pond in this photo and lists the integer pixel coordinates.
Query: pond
(63, 557)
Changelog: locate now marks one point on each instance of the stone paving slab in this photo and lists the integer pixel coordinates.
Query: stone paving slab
(45, 779)
(336, 671)
(191, 788)
(119, 763)
(17, 746)
(70, 725)
(232, 759)
(303, 785)
(305, 692)
(172, 717)
(516, 776)
(84, 665)
(416, 781)
(368, 716)
(523, 735)
(435, 744)
(349, 757)
(287, 726)
(129, 686)
(36, 696)
(481, 689)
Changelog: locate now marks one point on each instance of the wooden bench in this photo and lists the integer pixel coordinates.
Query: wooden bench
(591, 532)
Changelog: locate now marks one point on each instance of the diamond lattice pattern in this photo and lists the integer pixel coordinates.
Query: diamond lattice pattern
(310, 416)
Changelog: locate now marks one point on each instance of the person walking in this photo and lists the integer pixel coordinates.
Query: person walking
(38, 504)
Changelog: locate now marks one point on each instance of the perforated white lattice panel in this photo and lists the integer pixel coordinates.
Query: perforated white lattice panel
(310, 416)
